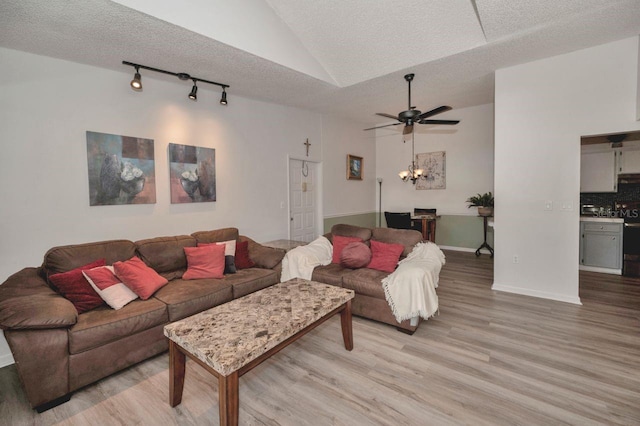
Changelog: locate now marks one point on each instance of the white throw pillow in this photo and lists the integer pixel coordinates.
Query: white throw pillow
(109, 287)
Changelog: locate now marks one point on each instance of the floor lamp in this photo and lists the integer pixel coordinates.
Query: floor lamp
(380, 204)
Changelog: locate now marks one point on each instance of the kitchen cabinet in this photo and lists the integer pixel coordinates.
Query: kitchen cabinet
(598, 171)
(629, 161)
(601, 244)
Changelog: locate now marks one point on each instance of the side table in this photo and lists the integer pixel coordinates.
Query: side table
(485, 244)
(284, 244)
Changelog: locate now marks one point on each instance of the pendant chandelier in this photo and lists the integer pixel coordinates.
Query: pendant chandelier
(412, 173)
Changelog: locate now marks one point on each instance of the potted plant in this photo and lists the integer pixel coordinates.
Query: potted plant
(483, 202)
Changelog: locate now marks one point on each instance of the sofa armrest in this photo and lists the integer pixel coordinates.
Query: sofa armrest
(263, 256)
(27, 302)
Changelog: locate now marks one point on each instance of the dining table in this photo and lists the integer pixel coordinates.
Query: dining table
(428, 222)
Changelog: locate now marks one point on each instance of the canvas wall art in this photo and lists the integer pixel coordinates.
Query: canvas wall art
(121, 170)
(354, 167)
(193, 174)
(434, 166)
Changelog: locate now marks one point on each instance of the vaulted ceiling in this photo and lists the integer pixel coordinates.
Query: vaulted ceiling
(333, 56)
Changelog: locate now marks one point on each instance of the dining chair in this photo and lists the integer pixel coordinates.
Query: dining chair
(398, 220)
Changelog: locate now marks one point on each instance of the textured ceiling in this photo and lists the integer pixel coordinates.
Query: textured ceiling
(453, 46)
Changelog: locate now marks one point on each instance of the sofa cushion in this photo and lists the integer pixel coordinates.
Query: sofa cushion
(247, 281)
(329, 274)
(165, 254)
(216, 236)
(365, 281)
(355, 255)
(243, 261)
(65, 258)
(75, 287)
(385, 256)
(263, 256)
(351, 231)
(141, 279)
(103, 325)
(206, 261)
(229, 255)
(109, 287)
(188, 297)
(339, 242)
(407, 237)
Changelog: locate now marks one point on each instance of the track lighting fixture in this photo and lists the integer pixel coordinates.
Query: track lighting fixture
(194, 92)
(136, 83)
(223, 100)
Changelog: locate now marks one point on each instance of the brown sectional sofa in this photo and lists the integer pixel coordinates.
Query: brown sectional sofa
(369, 301)
(58, 351)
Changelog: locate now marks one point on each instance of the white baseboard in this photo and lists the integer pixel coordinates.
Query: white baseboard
(466, 249)
(6, 360)
(601, 270)
(536, 293)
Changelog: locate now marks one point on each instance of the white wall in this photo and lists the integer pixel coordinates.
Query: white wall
(341, 196)
(469, 162)
(542, 108)
(47, 105)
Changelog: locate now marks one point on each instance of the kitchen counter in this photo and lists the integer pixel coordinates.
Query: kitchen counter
(601, 219)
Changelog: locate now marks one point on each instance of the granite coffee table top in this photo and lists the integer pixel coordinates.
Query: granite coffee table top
(231, 335)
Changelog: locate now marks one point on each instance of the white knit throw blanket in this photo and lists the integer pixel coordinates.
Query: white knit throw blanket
(411, 289)
(300, 262)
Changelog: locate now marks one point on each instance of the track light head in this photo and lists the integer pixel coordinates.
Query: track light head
(194, 92)
(136, 83)
(223, 99)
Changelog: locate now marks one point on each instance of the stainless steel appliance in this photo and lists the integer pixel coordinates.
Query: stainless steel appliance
(630, 212)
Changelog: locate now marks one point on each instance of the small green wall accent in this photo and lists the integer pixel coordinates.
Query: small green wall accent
(461, 231)
(367, 220)
(451, 230)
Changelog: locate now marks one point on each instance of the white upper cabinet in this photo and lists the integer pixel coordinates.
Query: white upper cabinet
(598, 171)
(629, 161)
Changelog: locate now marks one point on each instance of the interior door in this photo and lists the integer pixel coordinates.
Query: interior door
(302, 200)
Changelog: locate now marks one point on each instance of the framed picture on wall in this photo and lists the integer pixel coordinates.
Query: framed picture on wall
(121, 170)
(192, 172)
(354, 167)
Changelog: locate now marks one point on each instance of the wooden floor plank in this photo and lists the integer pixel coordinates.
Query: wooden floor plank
(486, 358)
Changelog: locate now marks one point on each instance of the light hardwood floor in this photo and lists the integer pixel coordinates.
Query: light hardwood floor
(487, 358)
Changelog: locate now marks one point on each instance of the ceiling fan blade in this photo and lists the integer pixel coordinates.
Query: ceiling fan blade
(449, 122)
(433, 112)
(380, 127)
(382, 114)
(407, 129)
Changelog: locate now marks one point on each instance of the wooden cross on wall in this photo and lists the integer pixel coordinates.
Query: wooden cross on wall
(307, 144)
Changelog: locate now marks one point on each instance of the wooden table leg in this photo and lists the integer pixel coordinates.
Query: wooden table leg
(228, 399)
(176, 373)
(425, 229)
(347, 329)
(432, 231)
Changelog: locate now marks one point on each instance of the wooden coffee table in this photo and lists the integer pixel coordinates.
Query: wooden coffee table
(231, 339)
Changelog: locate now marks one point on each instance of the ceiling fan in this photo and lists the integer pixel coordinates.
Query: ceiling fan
(412, 115)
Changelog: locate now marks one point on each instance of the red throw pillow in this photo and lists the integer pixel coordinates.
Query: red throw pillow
(72, 285)
(204, 262)
(243, 261)
(384, 256)
(141, 279)
(339, 243)
(229, 255)
(355, 255)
